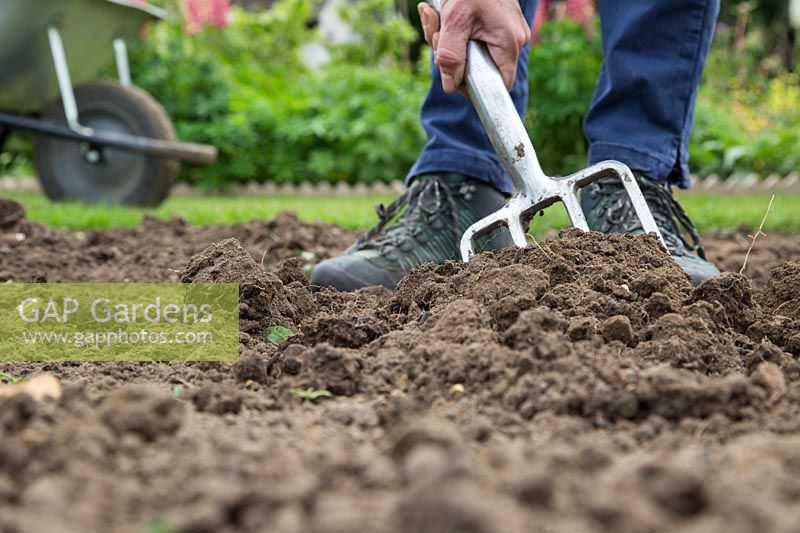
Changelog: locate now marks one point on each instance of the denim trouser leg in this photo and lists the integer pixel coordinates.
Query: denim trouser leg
(643, 108)
(457, 141)
(642, 111)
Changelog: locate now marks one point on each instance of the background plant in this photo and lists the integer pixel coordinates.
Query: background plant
(247, 90)
(748, 110)
(564, 66)
(357, 118)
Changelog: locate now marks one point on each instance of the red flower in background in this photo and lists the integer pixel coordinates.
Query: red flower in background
(200, 13)
(581, 11)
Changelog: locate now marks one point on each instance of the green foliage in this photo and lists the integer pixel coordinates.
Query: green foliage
(177, 391)
(311, 394)
(385, 34)
(748, 118)
(16, 155)
(158, 525)
(190, 83)
(709, 212)
(278, 334)
(356, 124)
(563, 72)
(247, 91)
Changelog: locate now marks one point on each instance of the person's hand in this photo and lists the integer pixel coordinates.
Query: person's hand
(498, 23)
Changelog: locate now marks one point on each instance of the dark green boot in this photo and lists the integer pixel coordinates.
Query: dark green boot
(424, 225)
(608, 209)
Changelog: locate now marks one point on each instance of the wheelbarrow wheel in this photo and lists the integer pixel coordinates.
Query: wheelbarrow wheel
(98, 174)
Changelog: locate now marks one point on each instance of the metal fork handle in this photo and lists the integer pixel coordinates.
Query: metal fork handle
(506, 131)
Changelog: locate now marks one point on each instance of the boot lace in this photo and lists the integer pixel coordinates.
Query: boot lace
(428, 202)
(615, 212)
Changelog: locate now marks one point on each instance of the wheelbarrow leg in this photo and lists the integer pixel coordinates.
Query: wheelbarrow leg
(121, 57)
(65, 82)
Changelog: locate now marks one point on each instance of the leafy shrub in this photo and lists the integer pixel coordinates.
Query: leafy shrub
(352, 123)
(748, 118)
(247, 91)
(385, 34)
(563, 72)
(748, 134)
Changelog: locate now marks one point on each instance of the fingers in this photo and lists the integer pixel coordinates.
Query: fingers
(506, 54)
(451, 48)
(430, 22)
(500, 24)
(506, 60)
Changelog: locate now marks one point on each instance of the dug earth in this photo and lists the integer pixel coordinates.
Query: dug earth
(578, 385)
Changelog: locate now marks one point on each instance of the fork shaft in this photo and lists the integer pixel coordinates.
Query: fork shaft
(503, 125)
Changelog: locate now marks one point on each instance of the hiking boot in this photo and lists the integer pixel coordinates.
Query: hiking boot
(609, 210)
(423, 225)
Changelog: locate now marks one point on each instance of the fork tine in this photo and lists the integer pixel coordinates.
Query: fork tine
(567, 192)
(605, 169)
(480, 228)
(574, 210)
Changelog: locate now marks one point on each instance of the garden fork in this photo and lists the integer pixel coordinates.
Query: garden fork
(533, 189)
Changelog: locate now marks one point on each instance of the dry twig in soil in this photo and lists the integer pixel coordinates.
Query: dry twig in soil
(756, 235)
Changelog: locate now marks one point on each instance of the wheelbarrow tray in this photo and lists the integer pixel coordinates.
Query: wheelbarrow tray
(87, 28)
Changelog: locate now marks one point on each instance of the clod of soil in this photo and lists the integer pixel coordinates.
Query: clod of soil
(143, 410)
(11, 212)
(250, 367)
(264, 300)
(217, 399)
(16, 412)
(781, 296)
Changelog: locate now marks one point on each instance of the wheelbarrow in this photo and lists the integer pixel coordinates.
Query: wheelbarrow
(95, 141)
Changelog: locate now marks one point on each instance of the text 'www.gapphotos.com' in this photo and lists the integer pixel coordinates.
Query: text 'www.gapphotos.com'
(98, 339)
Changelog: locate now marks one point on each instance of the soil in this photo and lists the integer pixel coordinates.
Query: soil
(579, 385)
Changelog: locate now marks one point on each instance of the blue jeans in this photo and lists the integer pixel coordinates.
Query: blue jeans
(642, 111)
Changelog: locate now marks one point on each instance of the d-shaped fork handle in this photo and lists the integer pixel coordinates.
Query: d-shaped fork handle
(533, 189)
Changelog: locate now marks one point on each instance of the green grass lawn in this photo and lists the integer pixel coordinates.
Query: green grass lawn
(708, 212)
